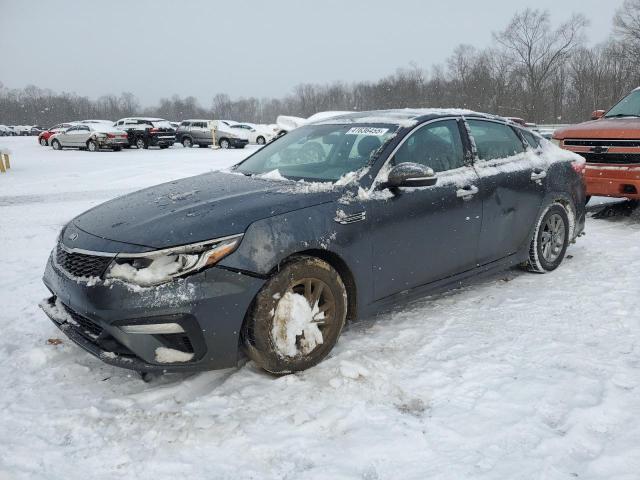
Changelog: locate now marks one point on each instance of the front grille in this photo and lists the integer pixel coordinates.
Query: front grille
(87, 327)
(602, 143)
(81, 265)
(613, 158)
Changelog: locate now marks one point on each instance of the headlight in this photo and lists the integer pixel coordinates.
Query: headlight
(155, 268)
(557, 142)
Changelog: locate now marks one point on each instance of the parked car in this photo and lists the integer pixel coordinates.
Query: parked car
(43, 138)
(611, 146)
(257, 134)
(335, 220)
(92, 137)
(199, 132)
(147, 132)
(22, 130)
(5, 131)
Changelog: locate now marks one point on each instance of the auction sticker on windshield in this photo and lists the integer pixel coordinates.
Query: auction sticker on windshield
(367, 131)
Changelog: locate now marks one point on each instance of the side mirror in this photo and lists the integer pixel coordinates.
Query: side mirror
(410, 175)
(597, 114)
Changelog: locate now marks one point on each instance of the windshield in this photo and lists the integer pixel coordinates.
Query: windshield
(629, 106)
(320, 152)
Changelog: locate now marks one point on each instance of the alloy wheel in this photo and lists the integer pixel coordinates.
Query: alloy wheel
(553, 238)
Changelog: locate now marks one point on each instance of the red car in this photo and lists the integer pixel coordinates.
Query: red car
(43, 138)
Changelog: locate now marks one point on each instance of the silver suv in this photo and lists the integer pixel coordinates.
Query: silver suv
(200, 132)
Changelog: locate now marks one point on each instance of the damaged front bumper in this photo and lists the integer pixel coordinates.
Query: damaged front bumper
(118, 322)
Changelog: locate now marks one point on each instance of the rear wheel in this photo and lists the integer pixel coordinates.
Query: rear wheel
(56, 145)
(92, 146)
(187, 143)
(140, 143)
(297, 317)
(224, 143)
(550, 240)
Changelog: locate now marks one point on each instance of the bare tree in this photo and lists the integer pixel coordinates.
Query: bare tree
(627, 27)
(537, 50)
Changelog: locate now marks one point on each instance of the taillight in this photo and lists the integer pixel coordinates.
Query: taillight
(578, 167)
(110, 135)
(154, 130)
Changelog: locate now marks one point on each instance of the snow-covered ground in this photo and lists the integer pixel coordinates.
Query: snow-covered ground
(520, 376)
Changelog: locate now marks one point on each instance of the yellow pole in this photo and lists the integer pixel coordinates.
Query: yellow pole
(6, 161)
(2, 169)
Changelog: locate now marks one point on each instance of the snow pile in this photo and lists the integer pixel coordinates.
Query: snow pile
(295, 318)
(170, 355)
(57, 311)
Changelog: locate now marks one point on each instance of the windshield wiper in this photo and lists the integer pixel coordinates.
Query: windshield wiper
(620, 115)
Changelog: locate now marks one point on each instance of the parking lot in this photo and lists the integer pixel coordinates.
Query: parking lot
(516, 376)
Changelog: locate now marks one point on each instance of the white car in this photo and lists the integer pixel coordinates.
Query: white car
(258, 134)
(22, 130)
(5, 131)
(91, 136)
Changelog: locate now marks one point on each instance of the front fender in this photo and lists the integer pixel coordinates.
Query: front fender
(268, 242)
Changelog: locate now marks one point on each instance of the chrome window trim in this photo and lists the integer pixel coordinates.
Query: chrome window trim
(153, 253)
(406, 137)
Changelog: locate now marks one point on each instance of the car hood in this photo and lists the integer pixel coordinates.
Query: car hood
(605, 128)
(194, 209)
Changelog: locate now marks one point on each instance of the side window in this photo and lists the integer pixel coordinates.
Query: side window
(184, 124)
(494, 140)
(532, 140)
(437, 145)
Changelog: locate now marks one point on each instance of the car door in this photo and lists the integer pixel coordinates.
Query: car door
(421, 235)
(67, 138)
(84, 132)
(511, 188)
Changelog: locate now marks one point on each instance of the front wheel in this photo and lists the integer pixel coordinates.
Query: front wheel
(224, 143)
(297, 317)
(43, 142)
(550, 240)
(260, 141)
(56, 145)
(187, 143)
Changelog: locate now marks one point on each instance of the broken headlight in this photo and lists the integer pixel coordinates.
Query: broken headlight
(155, 268)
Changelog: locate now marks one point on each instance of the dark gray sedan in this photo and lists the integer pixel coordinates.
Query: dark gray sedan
(336, 220)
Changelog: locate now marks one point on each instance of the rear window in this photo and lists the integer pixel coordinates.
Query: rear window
(494, 140)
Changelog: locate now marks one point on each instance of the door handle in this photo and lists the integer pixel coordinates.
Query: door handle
(467, 192)
(538, 175)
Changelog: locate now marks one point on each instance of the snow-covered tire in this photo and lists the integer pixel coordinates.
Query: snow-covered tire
(550, 240)
(187, 142)
(56, 145)
(43, 142)
(92, 146)
(261, 140)
(224, 143)
(280, 342)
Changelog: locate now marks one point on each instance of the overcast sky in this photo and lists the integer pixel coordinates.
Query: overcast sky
(155, 48)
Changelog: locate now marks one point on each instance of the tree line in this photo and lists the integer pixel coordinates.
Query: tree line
(531, 70)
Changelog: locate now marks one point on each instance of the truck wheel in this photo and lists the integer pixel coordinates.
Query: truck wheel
(187, 143)
(550, 240)
(297, 317)
(224, 143)
(140, 143)
(260, 141)
(56, 145)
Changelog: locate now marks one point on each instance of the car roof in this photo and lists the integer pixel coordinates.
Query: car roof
(404, 117)
(197, 120)
(144, 118)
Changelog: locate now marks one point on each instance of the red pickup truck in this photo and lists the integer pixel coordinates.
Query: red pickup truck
(610, 143)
